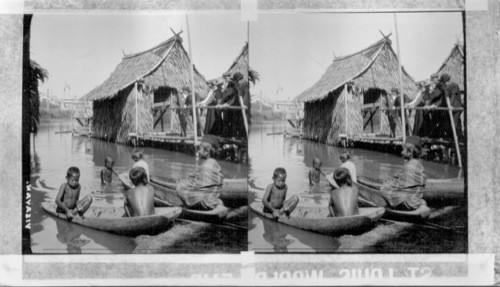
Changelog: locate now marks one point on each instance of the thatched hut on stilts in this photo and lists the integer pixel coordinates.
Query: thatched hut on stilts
(138, 93)
(333, 106)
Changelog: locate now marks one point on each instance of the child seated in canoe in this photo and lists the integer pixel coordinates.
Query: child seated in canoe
(344, 200)
(67, 199)
(315, 172)
(107, 171)
(200, 190)
(138, 158)
(139, 201)
(405, 190)
(274, 199)
(345, 158)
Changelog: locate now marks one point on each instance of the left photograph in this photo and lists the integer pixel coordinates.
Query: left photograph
(135, 132)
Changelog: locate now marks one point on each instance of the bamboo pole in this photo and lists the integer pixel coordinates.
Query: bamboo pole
(380, 113)
(136, 111)
(345, 108)
(403, 115)
(454, 131)
(195, 127)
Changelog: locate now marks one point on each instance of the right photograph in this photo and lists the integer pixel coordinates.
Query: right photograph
(358, 141)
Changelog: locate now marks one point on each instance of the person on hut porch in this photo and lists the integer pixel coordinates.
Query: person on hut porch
(440, 119)
(405, 190)
(213, 121)
(181, 113)
(200, 189)
(452, 91)
(423, 119)
(188, 103)
(396, 99)
(233, 119)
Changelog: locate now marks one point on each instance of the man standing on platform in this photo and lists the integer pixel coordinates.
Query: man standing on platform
(452, 92)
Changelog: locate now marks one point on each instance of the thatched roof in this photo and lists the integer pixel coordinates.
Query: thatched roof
(373, 67)
(166, 64)
(454, 65)
(240, 64)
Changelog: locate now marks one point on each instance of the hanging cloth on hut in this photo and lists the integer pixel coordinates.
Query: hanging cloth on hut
(202, 187)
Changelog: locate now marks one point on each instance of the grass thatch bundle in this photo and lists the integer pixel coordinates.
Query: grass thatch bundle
(454, 66)
(114, 118)
(346, 119)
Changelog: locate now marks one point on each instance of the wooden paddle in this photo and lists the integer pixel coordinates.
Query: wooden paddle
(330, 180)
(124, 180)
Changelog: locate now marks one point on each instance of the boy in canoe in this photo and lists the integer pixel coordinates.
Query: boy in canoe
(274, 199)
(344, 200)
(139, 201)
(138, 158)
(200, 189)
(315, 172)
(345, 158)
(405, 190)
(67, 199)
(107, 171)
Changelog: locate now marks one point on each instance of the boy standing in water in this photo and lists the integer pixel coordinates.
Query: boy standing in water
(139, 201)
(107, 171)
(274, 199)
(315, 172)
(67, 199)
(344, 200)
(140, 162)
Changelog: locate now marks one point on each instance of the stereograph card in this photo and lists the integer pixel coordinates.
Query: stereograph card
(298, 61)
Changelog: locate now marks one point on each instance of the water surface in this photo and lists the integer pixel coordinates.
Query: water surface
(266, 152)
(53, 153)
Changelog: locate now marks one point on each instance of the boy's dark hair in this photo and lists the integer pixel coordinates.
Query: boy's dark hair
(137, 155)
(342, 176)
(72, 171)
(138, 175)
(279, 171)
(344, 155)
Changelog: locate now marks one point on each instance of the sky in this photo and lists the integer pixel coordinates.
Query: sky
(80, 51)
(292, 51)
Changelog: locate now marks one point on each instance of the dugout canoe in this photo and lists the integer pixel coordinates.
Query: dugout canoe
(115, 220)
(234, 192)
(437, 191)
(164, 197)
(370, 197)
(318, 219)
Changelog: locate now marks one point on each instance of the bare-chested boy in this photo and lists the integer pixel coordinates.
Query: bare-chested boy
(107, 171)
(315, 172)
(274, 198)
(139, 201)
(344, 200)
(67, 199)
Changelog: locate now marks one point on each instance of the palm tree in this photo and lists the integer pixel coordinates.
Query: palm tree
(32, 73)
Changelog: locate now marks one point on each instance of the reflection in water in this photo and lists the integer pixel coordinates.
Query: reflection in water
(275, 236)
(66, 234)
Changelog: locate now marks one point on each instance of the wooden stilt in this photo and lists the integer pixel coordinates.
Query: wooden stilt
(193, 102)
(457, 147)
(401, 98)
